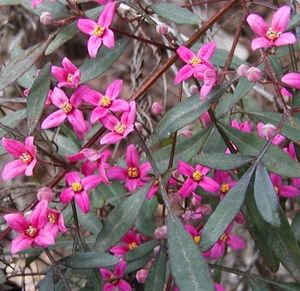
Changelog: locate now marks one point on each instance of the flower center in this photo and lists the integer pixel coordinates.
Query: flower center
(52, 217)
(197, 176)
(276, 189)
(197, 239)
(31, 231)
(77, 187)
(272, 34)
(26, 158)
(120, 128)
(132, 246)
(195, 61)
(98, 30)
(133, 172)
(67, 107)
(224, 188)
(105, 101)
(113, 279)
(224, 237)
(70, 78)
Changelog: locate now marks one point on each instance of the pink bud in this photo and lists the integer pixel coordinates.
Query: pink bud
(45, 193)
(157, 108)
(187, 133)
(266, 130)
(162, 28)
(46, 18)
(242, 70)
(254, 74)
(141, 276)
(161, 232)
(287, 95)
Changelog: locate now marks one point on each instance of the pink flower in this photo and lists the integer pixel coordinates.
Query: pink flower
(226, 239)
(78, 190)
(225, 181)
(119, 128)
(254, 74)
(31, 229)
(292, 152)
(141, 276)
(196, 177)
(157, 108)
(55, 222)
(67, 76)
(25, 154)
(196, 64)
(35, 3)
(107, 102)
(292, 80)
(271, 35)
(114, 279)
(67, 109)
(245, 126)
(161, 232)
(99, 31)
(267, 131)
(153, 190)
(130, 241)
(286, 94)
(45, 193)
(197, 210)
(205, 119)
(286, 191)
(193, 232)
(209, 81)
(135, 175)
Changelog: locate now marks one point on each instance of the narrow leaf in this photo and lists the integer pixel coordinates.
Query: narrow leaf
(296, 226)
(265, 196)
(141, 251)
(188, 267)
(10, 121)
(225, 212)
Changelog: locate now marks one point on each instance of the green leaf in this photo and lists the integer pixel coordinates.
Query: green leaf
(280, 239)
(265, 196)
(19, 65)
(188, 267)
(257, 285)
(175, 13)
(112, 193)
(222, 161)
(89, 260)
(37, 98)
(295, 21)
(184, 113)
(141, 251)
(275, 159)
(11, 121)
(138, 264)
(92, 68)
(290, 129)
(157, 275)
(225, 212)
(121, 219)
(90, 221)
(47, 284)
(220, 57)
(296, 226)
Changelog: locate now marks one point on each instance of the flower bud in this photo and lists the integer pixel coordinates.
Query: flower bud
(187, 133)
(194, 89)
(161, 232)
(242, 70)
(46, 18)
(157, 108)
(141, 276)
(45, 193)
(162, 28)
(254, 74)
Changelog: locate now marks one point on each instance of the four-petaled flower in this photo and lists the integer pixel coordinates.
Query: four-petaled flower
(135, 174)
(99, 31)
(78, 190)
(273, 35)
(55, 222)
(25, 154)
(67, 76)
(287, 191)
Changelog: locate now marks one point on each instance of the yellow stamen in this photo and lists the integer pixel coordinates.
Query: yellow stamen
(52, 217)
(105, 101)
(67, 107)
(98, 30)
(70, 78)
(31, 231)
(26, 158)
(133, 172)
(195, 61)
(120, 128)
(197, 176)
(224, 188)
(132, 246)
(224, 237)
(197, 239)
(272, 34)
(76, 186)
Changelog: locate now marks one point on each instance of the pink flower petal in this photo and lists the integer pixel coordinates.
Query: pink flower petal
(76, 118)
(66, 195)
(86, 26)
(184, 73)
(105, 273)
(58, 97)
(93, 45)
(292, 80)
(185, 169)
(144, 169)
(132, 184)
(111, 138)
(185, 54)
(187, 188)
(207, 50)
(44, 238)
(119, 251)
(91, 182)
(30, 167)
(16, 221)
(77, 97)
(257, 24)
(59, 73)
(109, 38)
(98, 113)
(117, 173)
(119, 105)
(69, 66)
(132, 156)
(285, 39)
(114, 89)
(235, 242)
(120, 269)
(83, 201)
(217, 250)
(13, 147)
(13, 169)
(54, 119)
(109, 287)
(289, 191)
(281, 18)
(39, 215)
(123, 285)
(72, 177)
(20, 243)
(209, 185)
(107, 15)
(260, 42)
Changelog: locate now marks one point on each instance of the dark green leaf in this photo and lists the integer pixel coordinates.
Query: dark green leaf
(141, 251)
(90, 221)
(37, 98)
(92, 68)
(265, 196)
(257, 285)
(188, 267)
(175, 13)
(138, 264)
(274, 159)
(47, 284)
(121, 219)
(112, 193)
(18, 66)
(157, 275)
(11, 120)
(295, 21)
(225, 212)
(296, 226)
(89, 260)
(222, 161)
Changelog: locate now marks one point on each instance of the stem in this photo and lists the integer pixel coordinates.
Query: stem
(75, 216)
